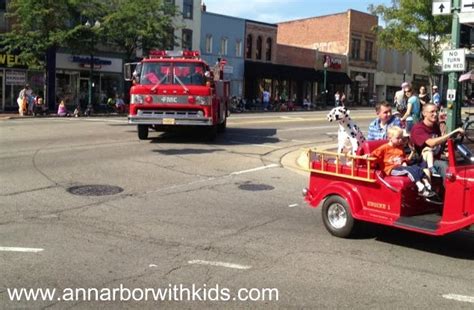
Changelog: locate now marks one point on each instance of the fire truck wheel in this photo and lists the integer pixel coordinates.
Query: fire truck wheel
(337, 217)
(142, 132)
(221, 127)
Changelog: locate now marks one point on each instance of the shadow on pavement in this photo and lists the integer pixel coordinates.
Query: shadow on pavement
(456, 245)
(232, 136)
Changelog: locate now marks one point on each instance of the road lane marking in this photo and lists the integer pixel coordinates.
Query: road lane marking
(457, 297)
(254, 169)
(293, 205)
(16, 249)
(218, 264)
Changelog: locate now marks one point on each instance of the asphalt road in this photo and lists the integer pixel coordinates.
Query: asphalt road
(221, 215)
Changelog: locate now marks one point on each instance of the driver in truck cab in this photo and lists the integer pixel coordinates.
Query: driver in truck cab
(426, 134)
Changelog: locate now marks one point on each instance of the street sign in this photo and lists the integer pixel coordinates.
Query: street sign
(466, 18)
(467, 5)
(441, 7)
(451, 95)
(454, 60)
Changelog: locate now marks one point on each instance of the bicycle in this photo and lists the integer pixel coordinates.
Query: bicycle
(468, 126)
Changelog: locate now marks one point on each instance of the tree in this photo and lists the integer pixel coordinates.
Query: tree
(39, 27)
(410, 26)
(140, 24)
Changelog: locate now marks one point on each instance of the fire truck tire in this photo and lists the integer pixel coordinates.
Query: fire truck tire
(337, 217)
(142, 132)
(222, 126)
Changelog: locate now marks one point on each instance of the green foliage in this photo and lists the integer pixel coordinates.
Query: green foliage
(38, 25)
(410, 26)
(140, 24)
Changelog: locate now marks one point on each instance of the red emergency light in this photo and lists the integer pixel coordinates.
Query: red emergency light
(173, 54)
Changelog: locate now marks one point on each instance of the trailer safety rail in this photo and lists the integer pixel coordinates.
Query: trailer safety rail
(353, 167)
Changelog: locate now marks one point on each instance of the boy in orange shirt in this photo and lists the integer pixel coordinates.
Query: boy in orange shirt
(393, 161)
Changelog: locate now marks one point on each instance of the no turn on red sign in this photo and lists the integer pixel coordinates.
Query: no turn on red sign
(454, 60)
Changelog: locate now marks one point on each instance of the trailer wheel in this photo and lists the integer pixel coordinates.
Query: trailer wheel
(142, 132)
(337, 217)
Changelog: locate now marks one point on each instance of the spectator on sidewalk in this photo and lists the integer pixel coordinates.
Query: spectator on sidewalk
(266, 99)
(22, 100)
(62, 110)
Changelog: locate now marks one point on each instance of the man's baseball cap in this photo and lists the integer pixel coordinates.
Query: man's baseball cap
(435, 87)
(405, 84)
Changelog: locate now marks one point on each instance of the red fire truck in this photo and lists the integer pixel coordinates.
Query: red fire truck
(351, 190)
(177, 89)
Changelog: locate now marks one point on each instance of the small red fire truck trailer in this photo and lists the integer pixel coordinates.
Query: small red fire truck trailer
(350, 190)
(177, 89)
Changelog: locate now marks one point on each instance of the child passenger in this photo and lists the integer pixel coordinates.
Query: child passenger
(393, 161)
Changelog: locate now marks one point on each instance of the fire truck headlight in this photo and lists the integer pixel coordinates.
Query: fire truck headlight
(137, 99)
(202, 100)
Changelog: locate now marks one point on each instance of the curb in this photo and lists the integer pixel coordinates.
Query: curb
(298, 160)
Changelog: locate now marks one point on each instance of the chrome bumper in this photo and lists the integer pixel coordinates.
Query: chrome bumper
(169, 118)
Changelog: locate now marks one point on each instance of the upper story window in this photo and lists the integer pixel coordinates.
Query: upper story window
(259, 47)
(223, 50)
(248, 47)
(238, 48)
(369, 46)
(168, 39)
(209, 43)
(188, 9)
(355, 52)
(3, 5)
(187, 39)
(268, 49)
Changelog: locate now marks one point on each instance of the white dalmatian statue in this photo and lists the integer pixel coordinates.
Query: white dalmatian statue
(349, 136)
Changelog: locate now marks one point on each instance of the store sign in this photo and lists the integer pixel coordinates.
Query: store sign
(332, 62)
(9, 60)
(15, 77)
(83, 62)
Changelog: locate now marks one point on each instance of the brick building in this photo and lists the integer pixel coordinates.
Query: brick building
(288, 72)
(348, 34)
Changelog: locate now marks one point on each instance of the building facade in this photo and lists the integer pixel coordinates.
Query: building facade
(348, 34)
(393, 68)
(222, 37)
(187, 29)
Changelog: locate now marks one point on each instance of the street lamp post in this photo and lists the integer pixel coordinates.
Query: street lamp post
(404, 75)
(91, 66)
(325, 83)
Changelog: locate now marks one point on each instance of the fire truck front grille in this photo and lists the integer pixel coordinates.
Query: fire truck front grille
(165, 114)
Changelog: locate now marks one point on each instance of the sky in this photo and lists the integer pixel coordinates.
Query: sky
(274, 11)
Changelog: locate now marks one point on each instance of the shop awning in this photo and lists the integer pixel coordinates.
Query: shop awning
(269, 70)
(337, 77)
(469, 76)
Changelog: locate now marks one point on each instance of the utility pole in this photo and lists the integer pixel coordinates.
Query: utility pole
(454, 106)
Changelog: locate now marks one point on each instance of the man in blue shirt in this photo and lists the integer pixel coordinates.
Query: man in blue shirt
(378, 127)
(436, 96)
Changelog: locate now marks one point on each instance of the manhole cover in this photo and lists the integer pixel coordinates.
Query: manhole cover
(94, 190)
(255, 187)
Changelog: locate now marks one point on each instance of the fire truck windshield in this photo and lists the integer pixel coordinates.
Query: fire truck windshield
(159, 73)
